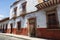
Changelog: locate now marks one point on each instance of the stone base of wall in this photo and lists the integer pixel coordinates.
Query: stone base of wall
(48, 33)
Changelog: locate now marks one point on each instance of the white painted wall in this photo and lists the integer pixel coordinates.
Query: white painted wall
(4, 23)
(19, 9)
(40, 20)
(58, 12)
(10, 21)
(29, 8)
(31, 5)
(40, 17)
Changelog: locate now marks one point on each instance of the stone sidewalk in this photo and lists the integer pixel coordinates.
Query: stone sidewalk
(22, 36)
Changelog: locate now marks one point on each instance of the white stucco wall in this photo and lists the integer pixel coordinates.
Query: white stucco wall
(10, 21)
(40, 15)
(58, 12)
(30, 6)
(19, 9)
(4, 23)
(40, 20)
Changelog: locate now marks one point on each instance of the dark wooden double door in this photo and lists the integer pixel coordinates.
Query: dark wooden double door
(52, 21)
(18, 27)
(11, 28)
(32, 27)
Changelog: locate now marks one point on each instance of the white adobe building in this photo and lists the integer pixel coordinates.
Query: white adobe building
(40, 18)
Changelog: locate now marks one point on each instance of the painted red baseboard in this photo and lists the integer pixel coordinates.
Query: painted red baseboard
(22, 31)
(40, 32)
(48, 33)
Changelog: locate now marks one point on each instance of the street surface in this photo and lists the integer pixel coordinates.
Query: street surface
(3, 37)
(6, 37)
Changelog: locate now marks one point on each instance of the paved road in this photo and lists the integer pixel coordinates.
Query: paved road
(3, 37)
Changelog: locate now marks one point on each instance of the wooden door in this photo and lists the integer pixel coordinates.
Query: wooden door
(32, 27)
(18, 27)
(6, 27)
(3, 29)
(52, 21)
(11, 27)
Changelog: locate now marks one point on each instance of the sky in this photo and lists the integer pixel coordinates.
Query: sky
(5, 8)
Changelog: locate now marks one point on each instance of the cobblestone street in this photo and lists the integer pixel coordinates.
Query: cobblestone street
(3, 37)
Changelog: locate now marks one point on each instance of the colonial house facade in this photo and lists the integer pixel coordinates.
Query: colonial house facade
(4, 25)
(43, 21)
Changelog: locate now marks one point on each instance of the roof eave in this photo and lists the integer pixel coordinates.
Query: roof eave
(47, 4)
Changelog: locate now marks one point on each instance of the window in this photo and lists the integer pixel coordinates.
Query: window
(52, 20)
(24, 6)
(15, 10)
(18, 25)
(45, 0)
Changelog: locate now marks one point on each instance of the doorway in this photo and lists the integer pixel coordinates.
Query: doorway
(18, 27)
(32, 27)
(11, 27)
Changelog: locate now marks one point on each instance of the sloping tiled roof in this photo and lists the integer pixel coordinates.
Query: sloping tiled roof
(4, 19)
(47, 4)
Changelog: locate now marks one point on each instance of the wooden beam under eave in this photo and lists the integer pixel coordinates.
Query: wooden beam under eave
(38, 7)
(48, 3)
(41, 5)
(51, 2)
(44, 4)
(58, 1)
(54, 1)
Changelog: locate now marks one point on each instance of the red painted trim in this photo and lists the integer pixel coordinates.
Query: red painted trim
(22, 31)
(40, 32)
(48, 33)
